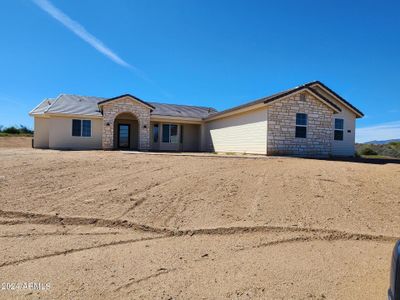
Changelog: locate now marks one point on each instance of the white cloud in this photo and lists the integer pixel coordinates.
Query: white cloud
(89, 38)
(80, 31)
(383, 131)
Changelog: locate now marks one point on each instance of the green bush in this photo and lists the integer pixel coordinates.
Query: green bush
(11, 130)
(368, 151)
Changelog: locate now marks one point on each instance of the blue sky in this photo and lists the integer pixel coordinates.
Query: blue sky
(202, 52)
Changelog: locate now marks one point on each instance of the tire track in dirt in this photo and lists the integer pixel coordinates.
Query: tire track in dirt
(146, 191)
(45, 219)
(160, 272)
(75, 250)
(325, 237)
(61, 234)
(116, 223)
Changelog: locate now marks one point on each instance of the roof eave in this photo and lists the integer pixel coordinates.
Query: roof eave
(356, 111)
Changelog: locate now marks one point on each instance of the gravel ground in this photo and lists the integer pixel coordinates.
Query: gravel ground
(129, 225)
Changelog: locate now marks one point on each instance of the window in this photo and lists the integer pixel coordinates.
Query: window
(301, 125)
(81, 127)
(155, 133)
(76, 127)
(86, 128)
(174, 134)
(165, 133)
(339, 125)
(170, 133)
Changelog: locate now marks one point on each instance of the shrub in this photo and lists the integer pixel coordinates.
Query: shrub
(11, 130)
(21, 129)
(368, 151)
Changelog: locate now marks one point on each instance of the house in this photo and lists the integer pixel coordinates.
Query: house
(309, 120)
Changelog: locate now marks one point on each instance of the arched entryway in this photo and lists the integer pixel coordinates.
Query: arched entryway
(126, 131)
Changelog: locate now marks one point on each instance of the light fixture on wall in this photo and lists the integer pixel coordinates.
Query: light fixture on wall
(108, 124)
(144, 126)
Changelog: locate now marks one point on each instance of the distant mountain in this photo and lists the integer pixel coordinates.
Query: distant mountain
(382, 142)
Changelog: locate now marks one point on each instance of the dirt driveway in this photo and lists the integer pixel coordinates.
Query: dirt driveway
(110, 224)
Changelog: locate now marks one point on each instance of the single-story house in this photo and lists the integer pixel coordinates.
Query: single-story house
(309, 120)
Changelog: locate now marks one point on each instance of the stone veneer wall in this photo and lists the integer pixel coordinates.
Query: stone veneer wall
(282, 125)
(124, 105)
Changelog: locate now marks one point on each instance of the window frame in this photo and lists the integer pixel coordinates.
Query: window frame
(155, 140)
(338, 129)
(301, 126)
(81, 128)
(169, 133)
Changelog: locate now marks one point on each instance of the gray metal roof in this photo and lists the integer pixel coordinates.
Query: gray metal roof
(75, 105)
(43, 106)
(183, 111)
(87, 105)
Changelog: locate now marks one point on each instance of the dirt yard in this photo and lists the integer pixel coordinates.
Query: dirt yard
(15, 142)
(118, 225)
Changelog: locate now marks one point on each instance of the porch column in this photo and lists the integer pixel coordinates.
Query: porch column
(144, 132)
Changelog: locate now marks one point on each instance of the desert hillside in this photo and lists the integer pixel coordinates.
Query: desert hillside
(391, 149)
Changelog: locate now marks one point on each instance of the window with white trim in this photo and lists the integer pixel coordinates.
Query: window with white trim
(301, 125)
(338, 134)
(170, 133)
(81, 128)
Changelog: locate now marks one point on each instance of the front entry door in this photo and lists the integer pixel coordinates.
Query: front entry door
(124, 136)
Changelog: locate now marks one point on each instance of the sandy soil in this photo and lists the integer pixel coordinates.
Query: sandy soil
(15, 142)
(120, 225)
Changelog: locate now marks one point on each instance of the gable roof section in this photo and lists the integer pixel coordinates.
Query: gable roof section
(358, 113)
(306, 88)
(126, 95)
(277, 96)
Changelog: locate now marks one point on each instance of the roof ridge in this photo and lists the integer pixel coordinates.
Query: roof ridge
(55, 100)
(200, 106)
(64, 94)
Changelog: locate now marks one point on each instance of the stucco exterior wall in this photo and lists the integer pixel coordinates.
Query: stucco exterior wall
(41, 133)
(191, 137)
(347, 146)
(60, 134)
(123, 105)
(282, 127)
(243, 133)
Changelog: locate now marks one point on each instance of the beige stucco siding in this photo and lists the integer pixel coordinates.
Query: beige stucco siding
(41, 133)
(191, 137)
(60, 134)
(244, 133)
(347, 146)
